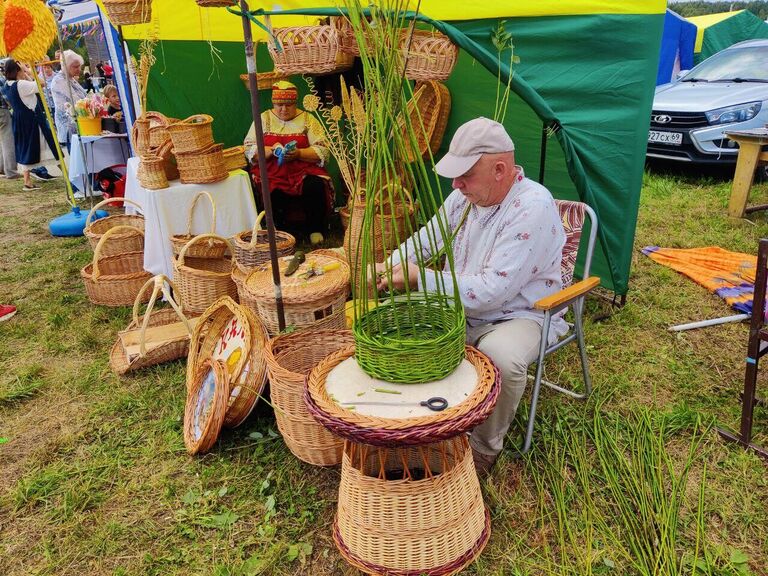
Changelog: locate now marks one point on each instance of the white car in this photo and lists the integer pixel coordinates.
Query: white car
(728, 91)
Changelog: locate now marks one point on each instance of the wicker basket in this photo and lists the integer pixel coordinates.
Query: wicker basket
(192, 134)
(234, 158)
(264, 80)
(151, 172)
(430, 56)
(213, 248)
(169, 350)
(252, 246)
(165, 151)
(307, 302)
(312, 50)
(204, 166)
(202, 281)
(290, 358)
(206, 407)
(122, 12)
(428, 112)
(140, 135)
(411, 510)
(245, 392)
(114, 280)
(130, 240)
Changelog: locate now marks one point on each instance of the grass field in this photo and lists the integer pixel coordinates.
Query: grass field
(94, 477)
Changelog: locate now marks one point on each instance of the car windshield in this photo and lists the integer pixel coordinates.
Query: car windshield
(735, 64)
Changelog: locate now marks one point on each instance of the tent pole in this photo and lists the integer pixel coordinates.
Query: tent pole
(543, 155)
(129, 89)
(250, 59)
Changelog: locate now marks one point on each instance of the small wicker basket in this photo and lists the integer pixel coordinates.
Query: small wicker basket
(312, 50)
(430, 55)
(140, 135)
(114, 280)
(191, 134)
(167, 350)
(264, 80)
(130, 240)
(234, 158)
(206, 407)
(165, 151)
(252, 246)
(290, 358)
(151, 172)
(308, 302)
(213, 248)
(202, 281)
(123, 12)
(204, 166)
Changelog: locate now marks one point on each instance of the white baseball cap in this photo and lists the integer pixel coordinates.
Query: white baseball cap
(472, 140)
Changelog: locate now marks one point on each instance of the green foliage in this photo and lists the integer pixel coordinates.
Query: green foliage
(700, 7)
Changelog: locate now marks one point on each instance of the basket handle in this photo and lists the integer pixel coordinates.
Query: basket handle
(158, 282)
(183, 252)
(192, 211)
(256, 228)
(97, 252)
(112, 200)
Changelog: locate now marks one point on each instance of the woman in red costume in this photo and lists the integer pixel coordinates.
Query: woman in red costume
(302, 194)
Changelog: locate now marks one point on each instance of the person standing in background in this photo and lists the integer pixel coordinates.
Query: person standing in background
(7, 143)
(63, 82)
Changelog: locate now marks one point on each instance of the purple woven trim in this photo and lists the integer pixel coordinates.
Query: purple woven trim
(452, 567)
(413, 436)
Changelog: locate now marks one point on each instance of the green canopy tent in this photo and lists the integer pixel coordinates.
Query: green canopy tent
(582, 90)
(718, 31)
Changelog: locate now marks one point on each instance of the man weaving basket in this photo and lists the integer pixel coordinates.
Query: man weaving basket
(294, 143)
(507, 254)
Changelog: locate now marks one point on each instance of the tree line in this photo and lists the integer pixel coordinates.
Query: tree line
(699, 8)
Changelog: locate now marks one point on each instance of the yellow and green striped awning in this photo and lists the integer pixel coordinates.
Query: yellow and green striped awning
(704, 22)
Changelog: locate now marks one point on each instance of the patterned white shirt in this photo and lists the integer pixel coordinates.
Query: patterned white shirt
(506, 256)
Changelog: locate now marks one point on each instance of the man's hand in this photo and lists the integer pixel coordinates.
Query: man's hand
(401, 273)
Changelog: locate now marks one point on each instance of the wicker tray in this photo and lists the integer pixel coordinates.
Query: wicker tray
(312, 50)
(410, 511)
(203, 166)
(247, 389)
(166, 351)
(202, 281)
(191, 134)
(380, 431)
(306, 302)
(264, 80)
(430, 56)
(122, 12)
(206, 407)
(290, 358)
(114, 280)
(212, 248)
(130, 240)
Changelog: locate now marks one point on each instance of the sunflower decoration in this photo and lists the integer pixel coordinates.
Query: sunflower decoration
(311, 103)
(28, 29)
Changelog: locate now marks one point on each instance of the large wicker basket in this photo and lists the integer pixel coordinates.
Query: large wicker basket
(170, 348)
(211, 248)
(428, 112)
(130, 240)
(310, 50)
(191, 134)
(203, 166)
(202, 281)
(429, 55)
(114, 280)
(123, 12)
(312, 302)
(410, 510)
(290, 358)
(252, 246)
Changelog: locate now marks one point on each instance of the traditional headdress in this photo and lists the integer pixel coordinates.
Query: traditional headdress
(283, 92)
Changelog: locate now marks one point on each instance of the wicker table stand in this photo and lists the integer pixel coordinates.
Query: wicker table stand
(409, 500)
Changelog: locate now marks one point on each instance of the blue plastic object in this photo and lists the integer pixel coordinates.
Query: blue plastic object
(281, 151)
(72, 223)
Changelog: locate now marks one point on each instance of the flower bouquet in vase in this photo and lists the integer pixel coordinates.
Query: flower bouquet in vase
(89, 111)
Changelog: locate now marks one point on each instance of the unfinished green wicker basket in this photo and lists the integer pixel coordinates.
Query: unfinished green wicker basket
(409, 341)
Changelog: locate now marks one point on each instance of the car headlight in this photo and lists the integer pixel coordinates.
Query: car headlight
(731, 114)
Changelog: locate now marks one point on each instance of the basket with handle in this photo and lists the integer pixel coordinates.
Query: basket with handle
(234, 158)
(212, 248)
(140, 135)
(264, 80)
(165, 151)
(123, 12)
(114, 280)
(151, 172)
(202, 281)
(252, 246)
(204, 166)
(310, 50)
(429, 55)
(428, 109)
(191, 134)
(171, 345)
(158, 128)
(129, 240)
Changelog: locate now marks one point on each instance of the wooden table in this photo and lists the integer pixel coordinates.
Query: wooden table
(751, 155)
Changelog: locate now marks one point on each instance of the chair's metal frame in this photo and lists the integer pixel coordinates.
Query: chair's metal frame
(573, 295)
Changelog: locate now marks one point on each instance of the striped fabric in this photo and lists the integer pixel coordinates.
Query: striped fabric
(572, 215)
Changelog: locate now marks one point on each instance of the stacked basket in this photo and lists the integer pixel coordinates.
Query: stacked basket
(313, 50)
(198, 158)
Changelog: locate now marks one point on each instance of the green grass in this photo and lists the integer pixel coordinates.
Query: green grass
(95, 478)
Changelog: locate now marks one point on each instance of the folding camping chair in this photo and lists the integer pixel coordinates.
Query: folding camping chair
(757, 346)
(573, 216)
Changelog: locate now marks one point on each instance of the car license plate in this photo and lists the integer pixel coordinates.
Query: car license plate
(674, 138)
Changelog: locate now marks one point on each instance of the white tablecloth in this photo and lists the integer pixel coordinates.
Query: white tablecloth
(100, 152)
(166, 211)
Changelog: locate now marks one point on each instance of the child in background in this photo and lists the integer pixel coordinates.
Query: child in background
(115, 109)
